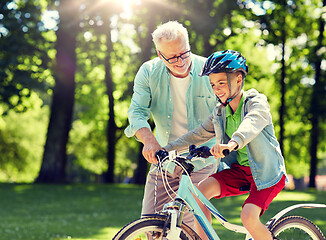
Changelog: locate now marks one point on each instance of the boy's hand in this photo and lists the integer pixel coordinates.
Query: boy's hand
(217, 149)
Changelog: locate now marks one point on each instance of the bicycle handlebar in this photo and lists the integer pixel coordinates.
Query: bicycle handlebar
(226, 152)
(194, 151)
(161, 154)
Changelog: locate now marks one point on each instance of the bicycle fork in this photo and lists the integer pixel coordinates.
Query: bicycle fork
(175, 210)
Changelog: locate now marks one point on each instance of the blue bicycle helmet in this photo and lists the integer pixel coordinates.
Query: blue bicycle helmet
(227, 61)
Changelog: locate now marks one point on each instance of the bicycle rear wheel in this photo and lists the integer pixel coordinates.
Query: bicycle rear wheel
(296, 227)
(151, 228)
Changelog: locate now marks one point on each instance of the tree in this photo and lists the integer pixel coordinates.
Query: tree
(274, 20)
(318, 95)
(206, 22)
(112, 127)
(55, 156)
(23, 53)
(25, 78)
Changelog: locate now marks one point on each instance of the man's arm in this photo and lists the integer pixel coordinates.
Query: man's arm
(150, 144)
(139, 112)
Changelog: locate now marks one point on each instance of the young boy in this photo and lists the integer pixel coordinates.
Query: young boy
(241, 123)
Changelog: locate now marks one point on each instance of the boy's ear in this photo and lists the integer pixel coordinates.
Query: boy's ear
(239, 78)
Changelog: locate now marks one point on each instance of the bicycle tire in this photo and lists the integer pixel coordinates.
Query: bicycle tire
(296, 227)
(153, 226)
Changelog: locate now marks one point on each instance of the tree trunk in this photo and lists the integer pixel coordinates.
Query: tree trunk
(55, 155)
(315, 107)
(141, 170)
(111, 128)
(283, 92)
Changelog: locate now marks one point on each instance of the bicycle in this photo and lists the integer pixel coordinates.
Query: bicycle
(168, 223)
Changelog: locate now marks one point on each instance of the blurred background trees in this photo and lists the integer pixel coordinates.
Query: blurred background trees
(67, 70)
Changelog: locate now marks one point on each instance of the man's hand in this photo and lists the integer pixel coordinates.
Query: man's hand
(151, 146)
(149, 151)
(217, 149)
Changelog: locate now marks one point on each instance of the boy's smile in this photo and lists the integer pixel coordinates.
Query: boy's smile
(220, 85)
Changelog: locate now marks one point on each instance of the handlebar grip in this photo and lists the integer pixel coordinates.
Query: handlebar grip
(192, 147)
(226, 152)
(205, 152)
(160, 154)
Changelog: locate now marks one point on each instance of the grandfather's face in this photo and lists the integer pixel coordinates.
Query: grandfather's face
(167, 50)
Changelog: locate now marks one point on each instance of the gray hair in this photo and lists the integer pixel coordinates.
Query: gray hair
(170, 31)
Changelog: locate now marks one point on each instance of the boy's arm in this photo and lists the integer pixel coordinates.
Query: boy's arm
(257, 118)
(217, 149)
(203, 133)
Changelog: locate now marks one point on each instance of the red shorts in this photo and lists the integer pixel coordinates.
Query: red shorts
(231, 180)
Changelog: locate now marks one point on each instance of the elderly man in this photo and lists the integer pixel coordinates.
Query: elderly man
(169, 88)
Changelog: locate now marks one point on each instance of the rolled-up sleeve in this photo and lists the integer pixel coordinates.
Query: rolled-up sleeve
(139, 110)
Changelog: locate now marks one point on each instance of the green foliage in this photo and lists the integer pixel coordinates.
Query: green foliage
(22, 136)
(297, 23)
(126, 155)
(206, 22)
(23, 52)
(88, 144)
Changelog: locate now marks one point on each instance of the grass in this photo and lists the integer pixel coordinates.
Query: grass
(57, 212)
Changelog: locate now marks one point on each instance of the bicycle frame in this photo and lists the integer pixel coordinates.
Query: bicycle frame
(185, 198)
(186, 191)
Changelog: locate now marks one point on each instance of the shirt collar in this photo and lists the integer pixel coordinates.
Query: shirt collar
(228, 111)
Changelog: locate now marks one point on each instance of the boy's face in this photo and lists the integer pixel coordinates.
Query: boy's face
(219, 83)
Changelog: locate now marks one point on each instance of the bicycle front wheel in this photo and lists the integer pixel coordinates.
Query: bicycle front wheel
(296, 227)
(152, 228)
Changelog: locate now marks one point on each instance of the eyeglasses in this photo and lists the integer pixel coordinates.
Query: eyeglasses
(175, 59)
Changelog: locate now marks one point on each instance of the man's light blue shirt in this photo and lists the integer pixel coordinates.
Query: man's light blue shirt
(152, 97)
